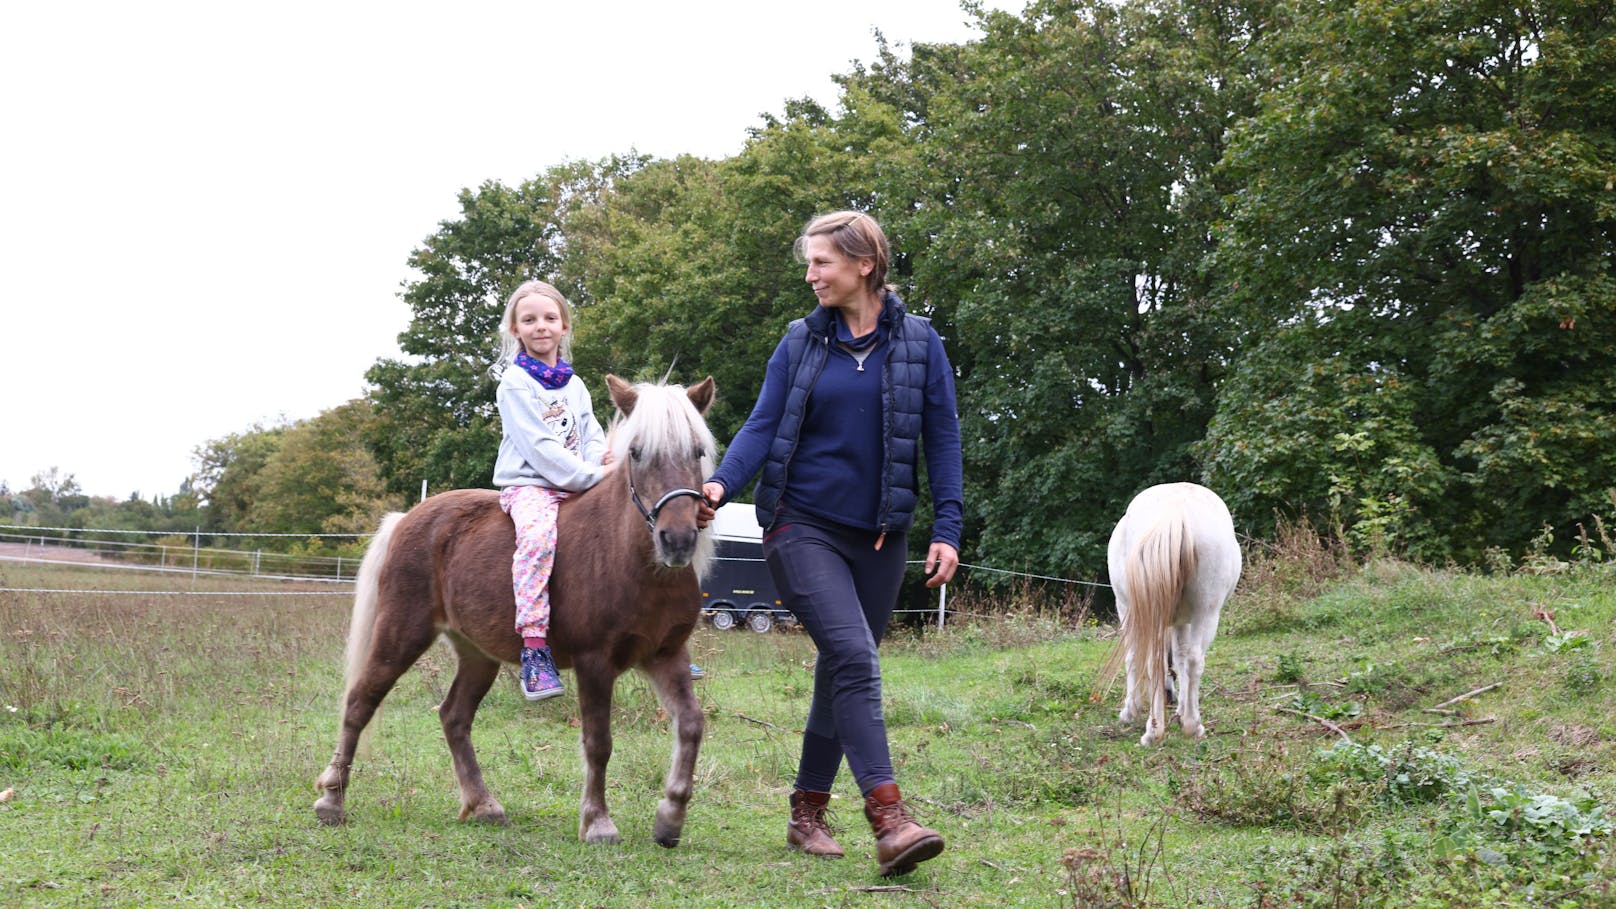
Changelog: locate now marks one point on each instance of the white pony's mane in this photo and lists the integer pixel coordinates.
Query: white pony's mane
(664, 424)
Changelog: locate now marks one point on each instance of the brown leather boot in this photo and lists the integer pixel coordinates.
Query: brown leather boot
(808, 831)
(900, 842)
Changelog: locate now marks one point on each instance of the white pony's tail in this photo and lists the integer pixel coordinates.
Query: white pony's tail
(362, 625)
(1157, 567)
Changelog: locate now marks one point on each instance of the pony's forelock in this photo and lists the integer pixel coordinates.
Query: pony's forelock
(663, 422)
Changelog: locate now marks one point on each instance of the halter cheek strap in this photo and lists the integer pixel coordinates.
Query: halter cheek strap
(650, 514)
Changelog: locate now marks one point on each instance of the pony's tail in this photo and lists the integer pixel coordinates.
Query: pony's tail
(362, 625)
(1156, 569)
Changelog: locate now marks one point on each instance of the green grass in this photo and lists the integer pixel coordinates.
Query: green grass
(162, 750)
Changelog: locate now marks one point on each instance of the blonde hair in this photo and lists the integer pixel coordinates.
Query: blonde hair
(855, 235)
(509, 344)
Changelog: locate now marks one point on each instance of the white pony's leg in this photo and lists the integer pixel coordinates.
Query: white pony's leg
(1205, 631)
(1131, 708)
(1189, 642)
(1156, 726)
(1170, 673)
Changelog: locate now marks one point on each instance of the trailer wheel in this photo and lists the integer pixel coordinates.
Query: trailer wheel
(723, 619)
(760, 622)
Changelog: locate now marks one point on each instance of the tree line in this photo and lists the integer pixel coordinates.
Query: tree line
(1346, 261)
(310, 487)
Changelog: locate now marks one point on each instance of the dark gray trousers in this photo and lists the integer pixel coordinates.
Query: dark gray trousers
(843, 592)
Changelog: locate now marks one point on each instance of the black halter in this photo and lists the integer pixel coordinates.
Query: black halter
(650, 514)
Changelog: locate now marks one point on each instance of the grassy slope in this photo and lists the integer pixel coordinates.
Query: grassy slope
(164, 748)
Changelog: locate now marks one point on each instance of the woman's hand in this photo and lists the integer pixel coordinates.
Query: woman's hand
(942, 559)
(711, 494)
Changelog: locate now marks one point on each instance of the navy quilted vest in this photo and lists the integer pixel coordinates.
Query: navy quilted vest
(903, 400)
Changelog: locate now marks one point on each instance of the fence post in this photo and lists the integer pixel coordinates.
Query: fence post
(196, 552)
(339, 568)
(942, 605)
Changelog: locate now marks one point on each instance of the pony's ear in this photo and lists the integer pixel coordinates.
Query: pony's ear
(623, 394)
(702, 394)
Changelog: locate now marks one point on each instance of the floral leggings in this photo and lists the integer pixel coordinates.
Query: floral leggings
(533, 510)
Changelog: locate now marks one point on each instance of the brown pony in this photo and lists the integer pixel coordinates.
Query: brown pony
(624, 594)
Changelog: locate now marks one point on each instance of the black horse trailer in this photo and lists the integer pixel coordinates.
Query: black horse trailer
(739, 590)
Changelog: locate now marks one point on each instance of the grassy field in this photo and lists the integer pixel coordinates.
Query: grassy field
(161, 749)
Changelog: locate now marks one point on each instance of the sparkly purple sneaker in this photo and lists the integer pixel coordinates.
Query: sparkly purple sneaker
(540, 680)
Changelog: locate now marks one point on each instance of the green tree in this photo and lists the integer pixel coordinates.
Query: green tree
(322, 478)
(1067, 165)
(1437, 177)
(227, 478)
(1318, 422)
(436, 418)
(689, 262)
(50, 499)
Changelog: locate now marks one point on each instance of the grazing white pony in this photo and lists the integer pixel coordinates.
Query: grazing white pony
(1174, 559)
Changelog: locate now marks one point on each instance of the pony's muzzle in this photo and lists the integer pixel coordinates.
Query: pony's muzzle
(676, 546)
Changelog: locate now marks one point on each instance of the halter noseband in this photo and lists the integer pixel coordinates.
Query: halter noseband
(650, 514)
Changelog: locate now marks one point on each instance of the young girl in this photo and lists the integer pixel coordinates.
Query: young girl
(552, 446)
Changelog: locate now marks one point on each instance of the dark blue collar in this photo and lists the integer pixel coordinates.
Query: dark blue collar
(828, 323)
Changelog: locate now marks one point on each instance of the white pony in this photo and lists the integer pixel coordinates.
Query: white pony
(1174, 559)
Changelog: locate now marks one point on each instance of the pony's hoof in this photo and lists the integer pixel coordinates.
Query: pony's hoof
(601, 833)
(1197, 733)
(667, 834)
(670, 822)
(329, 814)
(488, 813)
(1126, 715)
(1152, 738)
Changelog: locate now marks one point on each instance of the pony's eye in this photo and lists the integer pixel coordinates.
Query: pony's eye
(634, 452)
(696, 453)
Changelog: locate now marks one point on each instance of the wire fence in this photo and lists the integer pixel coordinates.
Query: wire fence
(92, 548)
(173, 552)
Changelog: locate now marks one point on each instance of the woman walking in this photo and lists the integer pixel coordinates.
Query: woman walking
(853, 395)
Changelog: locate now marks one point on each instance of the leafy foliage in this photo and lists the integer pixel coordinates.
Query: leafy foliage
(1420, 238)
(1066, 206)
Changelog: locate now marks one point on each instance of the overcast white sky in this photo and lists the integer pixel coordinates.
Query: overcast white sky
(206, 208)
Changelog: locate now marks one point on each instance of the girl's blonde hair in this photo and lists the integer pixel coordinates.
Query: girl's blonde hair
(509, 344)
(855, 235)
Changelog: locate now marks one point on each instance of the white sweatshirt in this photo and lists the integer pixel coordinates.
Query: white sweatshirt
(551, 437)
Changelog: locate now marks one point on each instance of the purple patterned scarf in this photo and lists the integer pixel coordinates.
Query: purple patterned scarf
(551, 377)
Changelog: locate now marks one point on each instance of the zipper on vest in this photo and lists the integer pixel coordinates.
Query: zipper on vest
(785, 466)
(888, 395)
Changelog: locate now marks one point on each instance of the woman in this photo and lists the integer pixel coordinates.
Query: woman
(853, 393)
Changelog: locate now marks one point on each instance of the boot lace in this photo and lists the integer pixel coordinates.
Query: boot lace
(814, 817)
